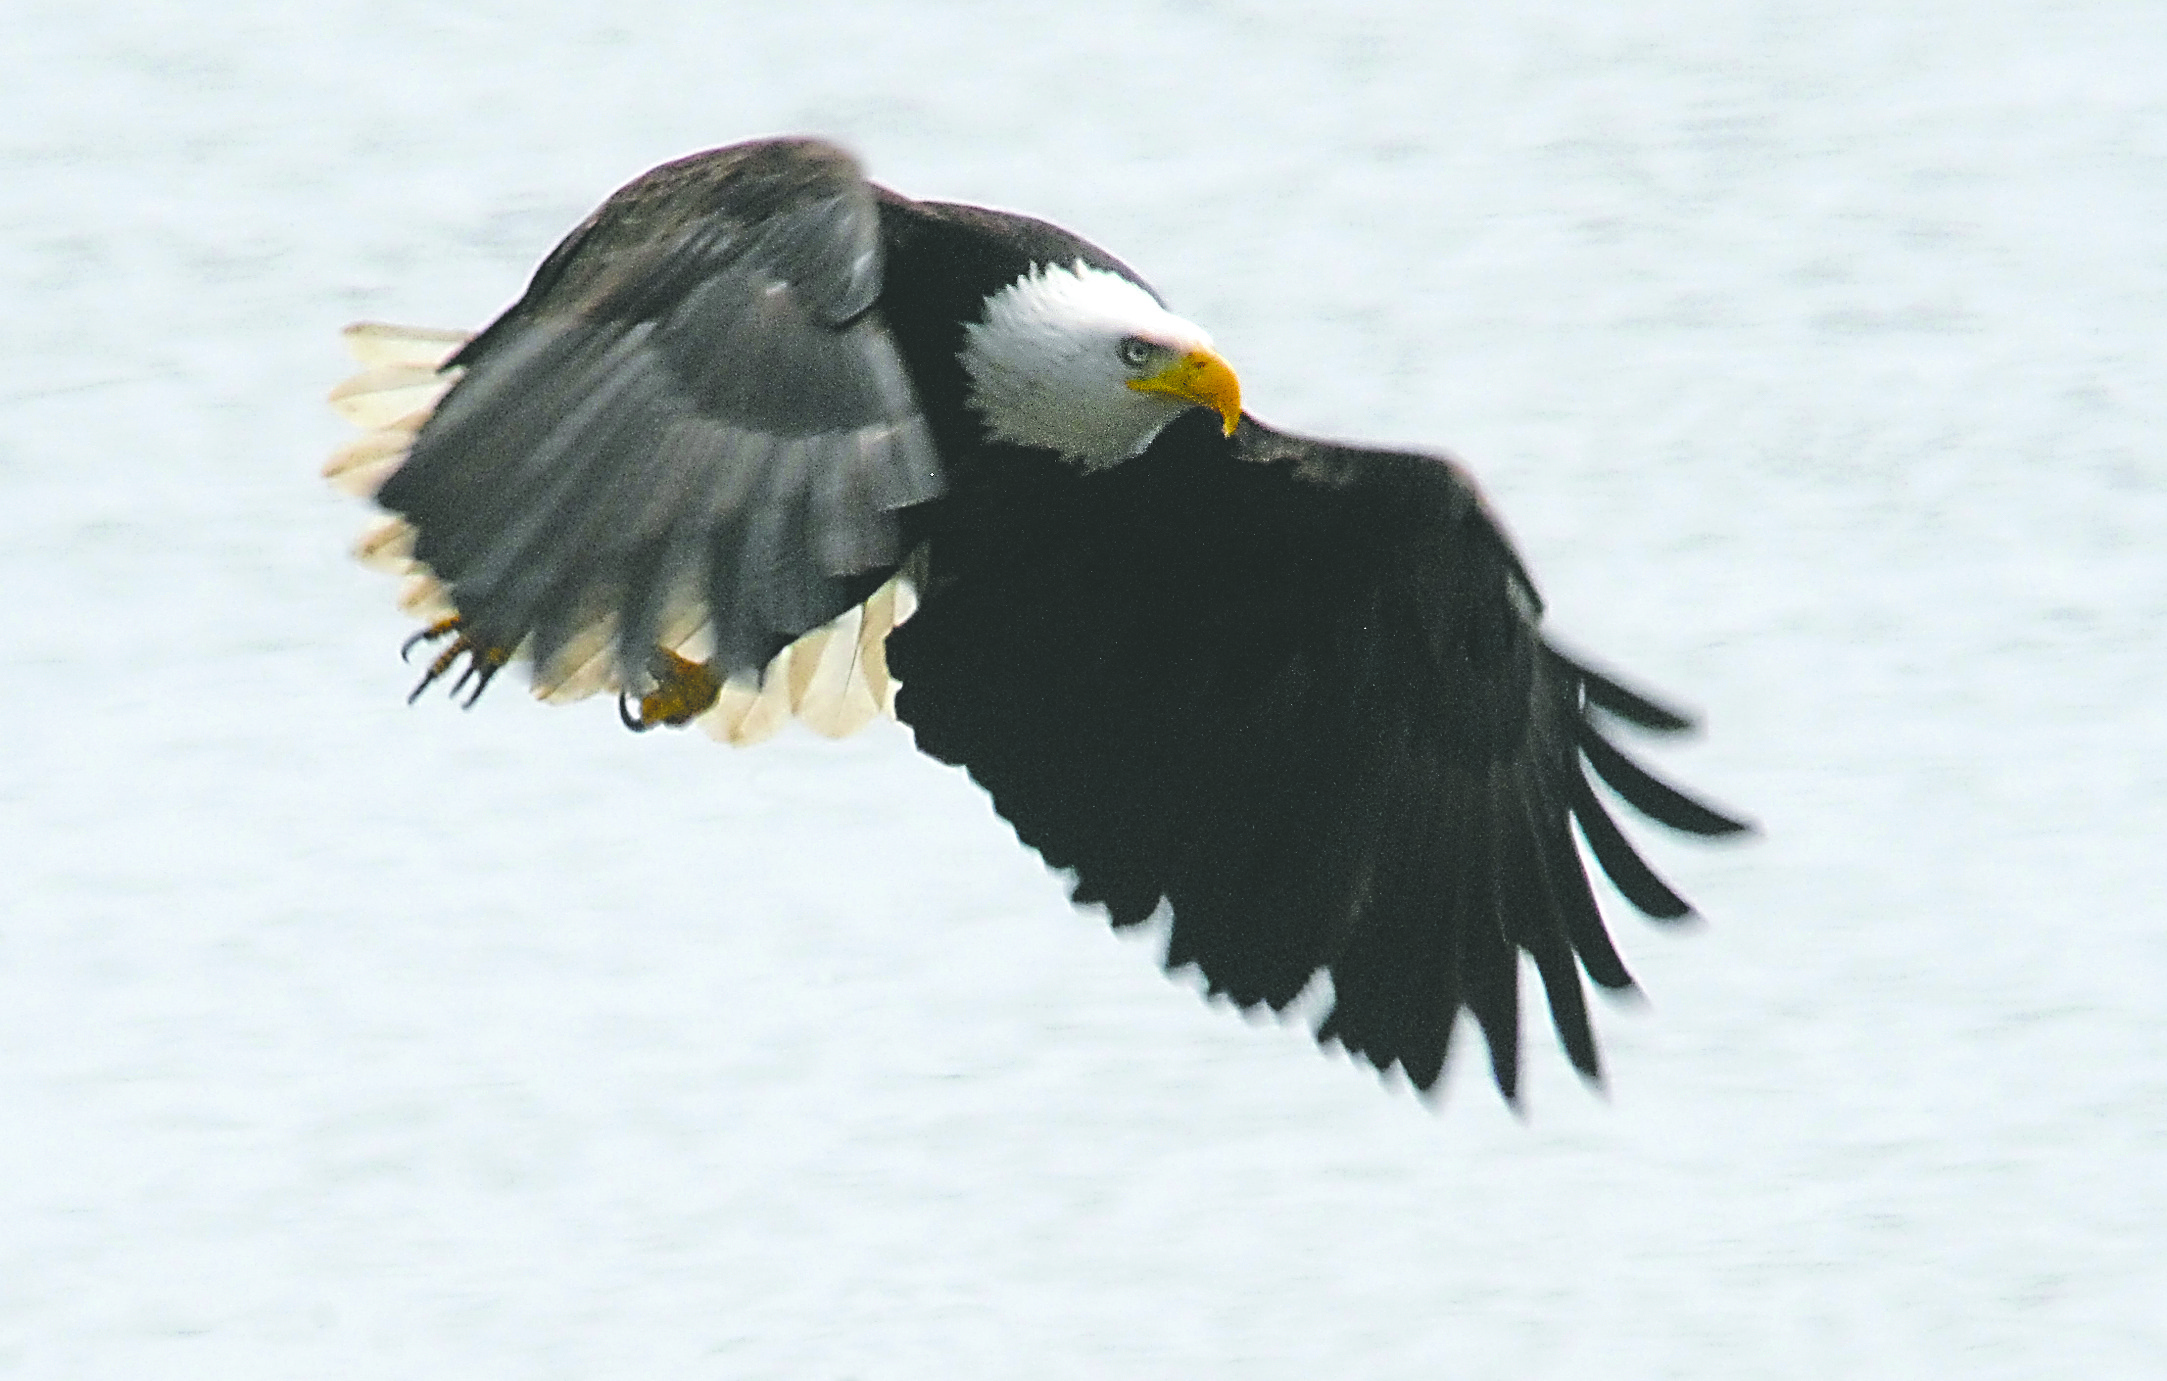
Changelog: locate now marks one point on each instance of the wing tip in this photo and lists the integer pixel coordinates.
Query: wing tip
(1606, 692)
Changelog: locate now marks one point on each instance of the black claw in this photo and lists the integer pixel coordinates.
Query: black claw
(630, 720)
(429, 678)
(427, 635)
(478, 670)
(481, 667)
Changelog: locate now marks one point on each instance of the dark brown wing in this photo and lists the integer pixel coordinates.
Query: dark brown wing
(693, 411)
(1296, 692)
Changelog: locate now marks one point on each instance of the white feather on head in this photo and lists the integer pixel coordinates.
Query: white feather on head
(1047, 369)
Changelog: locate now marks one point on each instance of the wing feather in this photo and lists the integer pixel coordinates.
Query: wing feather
(1295, 693)
(692, 416)
(1621, 863)
(1658, 800)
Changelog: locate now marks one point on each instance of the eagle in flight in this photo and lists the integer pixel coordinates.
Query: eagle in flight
(765, 439)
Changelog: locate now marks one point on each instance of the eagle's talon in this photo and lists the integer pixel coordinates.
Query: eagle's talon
(684, 689)
(483, 662)
(631, 720)
(481, 669)
(434, 631)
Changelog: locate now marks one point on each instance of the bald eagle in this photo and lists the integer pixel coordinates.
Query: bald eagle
(763, 437)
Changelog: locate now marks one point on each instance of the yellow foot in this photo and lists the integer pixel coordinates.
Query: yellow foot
(683, 691)
(483, 663)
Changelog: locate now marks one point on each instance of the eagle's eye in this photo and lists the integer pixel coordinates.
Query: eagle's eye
(1136, 352)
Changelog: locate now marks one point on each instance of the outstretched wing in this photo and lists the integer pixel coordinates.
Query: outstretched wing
(1296, 692)
(693, 420)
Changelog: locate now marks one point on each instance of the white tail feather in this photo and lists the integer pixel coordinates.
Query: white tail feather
(391, 395)
(387, 546)
(835, 678)
(585, 666)
(376, 343)
(885, 612)
(424, 598)
(747, 712)
(839, 680)
(361, 466)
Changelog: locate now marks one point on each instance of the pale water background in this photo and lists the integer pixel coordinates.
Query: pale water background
(1814, 353)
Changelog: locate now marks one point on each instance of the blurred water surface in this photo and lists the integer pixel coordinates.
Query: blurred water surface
(1813, 354)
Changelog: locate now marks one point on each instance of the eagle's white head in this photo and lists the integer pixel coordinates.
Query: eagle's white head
(1085, 363)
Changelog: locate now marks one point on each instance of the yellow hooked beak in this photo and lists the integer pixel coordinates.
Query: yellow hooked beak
(1202, 378)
